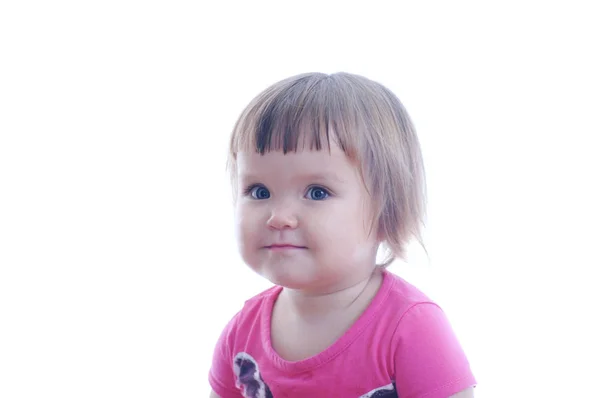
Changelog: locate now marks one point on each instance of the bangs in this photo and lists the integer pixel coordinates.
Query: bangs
(299, 114)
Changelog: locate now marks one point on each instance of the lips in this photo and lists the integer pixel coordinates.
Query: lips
(283, 246)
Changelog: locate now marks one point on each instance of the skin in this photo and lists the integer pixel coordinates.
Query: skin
(315, 201)
(303, 222)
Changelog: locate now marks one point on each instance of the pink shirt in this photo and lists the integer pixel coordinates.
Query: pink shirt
(401, 346)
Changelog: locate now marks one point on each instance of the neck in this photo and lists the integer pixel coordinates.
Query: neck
(318, 305)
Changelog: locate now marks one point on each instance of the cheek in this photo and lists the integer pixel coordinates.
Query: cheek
(246, 224)
(356, 231)
(344, 227)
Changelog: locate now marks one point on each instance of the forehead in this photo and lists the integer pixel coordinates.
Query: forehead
(332, 163)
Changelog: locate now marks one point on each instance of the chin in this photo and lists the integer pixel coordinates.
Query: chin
(291, 280)
(290, 273)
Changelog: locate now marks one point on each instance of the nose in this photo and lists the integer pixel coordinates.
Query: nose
(282, 218)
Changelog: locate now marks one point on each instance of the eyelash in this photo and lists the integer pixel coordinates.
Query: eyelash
(248, 190)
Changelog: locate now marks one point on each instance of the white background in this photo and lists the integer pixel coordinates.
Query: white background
(118, 266)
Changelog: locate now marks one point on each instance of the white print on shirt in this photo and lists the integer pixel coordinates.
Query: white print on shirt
(250, 382)
(388, 391)
(248, 377)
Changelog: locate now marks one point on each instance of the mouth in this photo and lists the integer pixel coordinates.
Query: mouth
(284, 246)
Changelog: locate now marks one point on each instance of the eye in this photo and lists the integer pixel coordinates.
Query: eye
(259, 192)
(317, 193)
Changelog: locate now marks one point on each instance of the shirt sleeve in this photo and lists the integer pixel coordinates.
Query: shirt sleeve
(429, 361)
(221, 376)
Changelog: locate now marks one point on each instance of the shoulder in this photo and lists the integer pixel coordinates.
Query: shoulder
(414, 310)
(259, 303)
(416, 316)
(399, 298)
(403, 290)
(395, 299)
(249, 313)
(427, 354)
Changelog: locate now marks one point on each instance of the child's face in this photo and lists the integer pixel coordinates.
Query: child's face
(303, 219)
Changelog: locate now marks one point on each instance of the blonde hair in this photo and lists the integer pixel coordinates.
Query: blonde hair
(367, 121)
